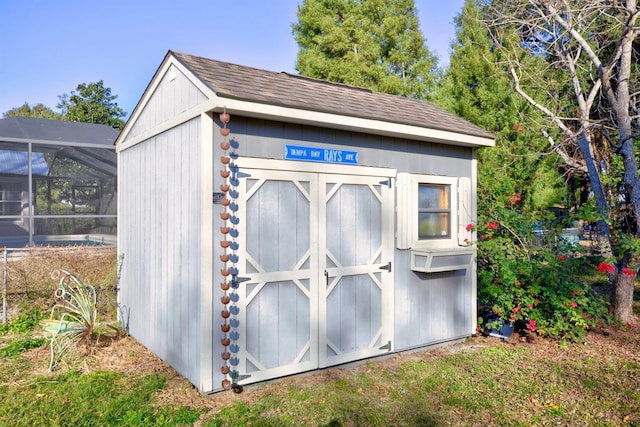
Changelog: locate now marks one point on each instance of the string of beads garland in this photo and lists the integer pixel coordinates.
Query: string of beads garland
(229, 258)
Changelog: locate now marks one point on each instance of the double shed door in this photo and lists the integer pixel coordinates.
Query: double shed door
(317, 251)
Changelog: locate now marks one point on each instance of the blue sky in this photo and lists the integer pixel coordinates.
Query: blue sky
(48, 47)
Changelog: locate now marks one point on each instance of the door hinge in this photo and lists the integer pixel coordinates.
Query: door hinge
(386, 267)
(235, 281)
(386, 182)
(237, 376)
(387, 346)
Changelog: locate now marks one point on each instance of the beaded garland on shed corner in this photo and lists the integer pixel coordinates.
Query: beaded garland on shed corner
(229, 258)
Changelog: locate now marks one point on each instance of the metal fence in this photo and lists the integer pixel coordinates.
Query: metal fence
(26, 281)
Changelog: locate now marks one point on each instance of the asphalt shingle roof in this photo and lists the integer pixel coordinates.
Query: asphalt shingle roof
(294, 91)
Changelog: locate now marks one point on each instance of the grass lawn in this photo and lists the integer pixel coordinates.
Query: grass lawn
(525, 381)
(481, 382)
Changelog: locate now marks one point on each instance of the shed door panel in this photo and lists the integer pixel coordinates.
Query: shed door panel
(355, 296)
(314, 247)
(279, 311)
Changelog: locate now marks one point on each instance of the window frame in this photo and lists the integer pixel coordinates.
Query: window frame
(408, 212)
(439, 241)
(16, 218)
(436, 210)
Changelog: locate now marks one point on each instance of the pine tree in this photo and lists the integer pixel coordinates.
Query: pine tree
(375, 44)
(476, 88)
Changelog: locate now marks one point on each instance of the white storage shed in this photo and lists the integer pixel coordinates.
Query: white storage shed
(329, 226)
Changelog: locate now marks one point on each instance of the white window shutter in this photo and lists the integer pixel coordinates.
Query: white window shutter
(404, 210)
(464, 211)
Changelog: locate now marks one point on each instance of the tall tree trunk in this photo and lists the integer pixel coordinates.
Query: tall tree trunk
(603, 239)
(617, 89)
(624, 284)
(622, 304)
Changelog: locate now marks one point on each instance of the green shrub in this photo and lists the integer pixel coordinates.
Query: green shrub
(536, 284)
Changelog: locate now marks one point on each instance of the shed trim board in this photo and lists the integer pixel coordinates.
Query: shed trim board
(355, 124)
(289, 165)
(184, 117)
(206, 270)
(304, 117)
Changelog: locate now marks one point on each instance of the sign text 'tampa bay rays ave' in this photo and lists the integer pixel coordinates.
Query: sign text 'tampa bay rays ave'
(323, 155)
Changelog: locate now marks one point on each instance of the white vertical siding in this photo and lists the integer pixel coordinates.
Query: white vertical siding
(170, 98)
(165, 216)
(160, 186)
(431, 307)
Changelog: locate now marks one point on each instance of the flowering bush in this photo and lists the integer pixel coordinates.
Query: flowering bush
(533, 285)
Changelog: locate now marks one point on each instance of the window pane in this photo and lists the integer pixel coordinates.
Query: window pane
(431, 196)
(11, 197)
(78, 181)
(434, 211)
(14, 185)
(433, 225)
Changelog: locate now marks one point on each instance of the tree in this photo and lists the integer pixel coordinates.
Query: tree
(589, 95)
(369, 43)
(38, 111)
(476, 88)
(92, 103)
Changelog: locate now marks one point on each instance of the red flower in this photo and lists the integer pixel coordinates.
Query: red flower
(530, 305)
(561, 257)
(469, 227)
(532, 325)
(629, 325)
(628, 272)
(573, 304)
(603, 267)
(492, 225)
(514, 198)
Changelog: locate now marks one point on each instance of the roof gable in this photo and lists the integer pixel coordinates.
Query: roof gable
(251, 92)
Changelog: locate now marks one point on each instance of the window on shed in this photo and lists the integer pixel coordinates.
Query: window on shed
(434, 211)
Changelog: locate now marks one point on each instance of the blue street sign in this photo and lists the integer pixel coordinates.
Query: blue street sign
(323, 155)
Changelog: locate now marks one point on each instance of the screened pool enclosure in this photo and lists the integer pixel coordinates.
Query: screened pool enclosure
(57, 183)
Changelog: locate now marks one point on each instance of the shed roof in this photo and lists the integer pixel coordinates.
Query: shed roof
(29, 129)
(290, 90)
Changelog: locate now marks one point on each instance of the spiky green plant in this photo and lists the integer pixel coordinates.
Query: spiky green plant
(73, 317)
